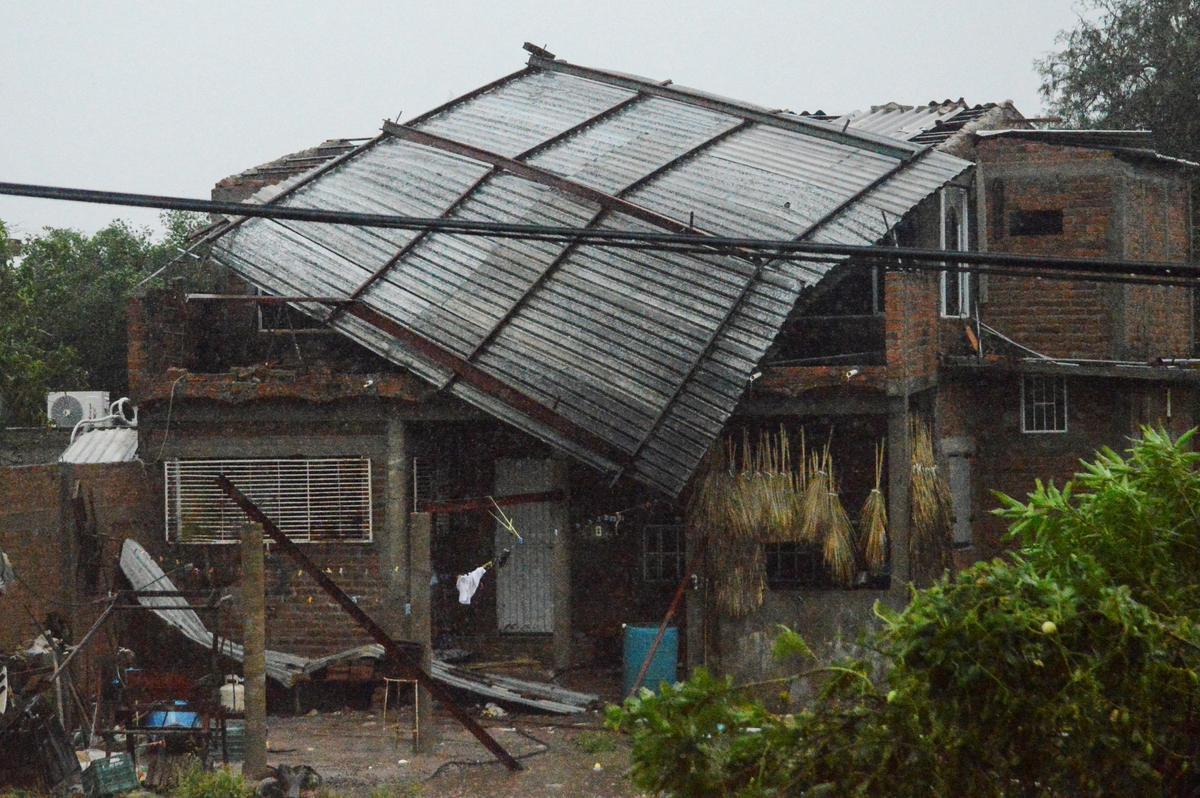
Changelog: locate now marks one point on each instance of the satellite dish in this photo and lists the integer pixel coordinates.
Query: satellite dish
(66, 411)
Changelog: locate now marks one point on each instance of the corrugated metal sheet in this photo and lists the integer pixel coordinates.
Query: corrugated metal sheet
(103, 446)
(902, 121)
(650, 352)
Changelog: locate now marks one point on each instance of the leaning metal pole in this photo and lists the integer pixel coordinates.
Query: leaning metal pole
(381, 637)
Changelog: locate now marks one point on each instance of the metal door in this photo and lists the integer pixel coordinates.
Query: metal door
(525, 586)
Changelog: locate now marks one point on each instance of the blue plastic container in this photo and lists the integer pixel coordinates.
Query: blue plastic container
(638, 640)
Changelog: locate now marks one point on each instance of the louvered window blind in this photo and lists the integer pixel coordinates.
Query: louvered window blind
(312, 500)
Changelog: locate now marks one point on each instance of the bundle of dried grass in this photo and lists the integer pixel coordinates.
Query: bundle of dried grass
(838, 549)
(739, 571)
(749, 491)
(740, 574)
(931, 508)
(813, 509)
(872, 521)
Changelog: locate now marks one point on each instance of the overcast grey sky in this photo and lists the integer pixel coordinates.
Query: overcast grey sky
(168, 97)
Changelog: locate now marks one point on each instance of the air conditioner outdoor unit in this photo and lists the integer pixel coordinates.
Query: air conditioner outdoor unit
(67, 408)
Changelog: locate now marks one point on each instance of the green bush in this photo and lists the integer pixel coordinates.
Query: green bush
(195, 782)
(1068, 669)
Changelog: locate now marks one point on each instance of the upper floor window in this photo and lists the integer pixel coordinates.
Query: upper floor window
(955, 285)
(1043, 404)
(319, 500)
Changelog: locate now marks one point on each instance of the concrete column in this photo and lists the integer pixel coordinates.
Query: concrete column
(254, 640)
(561, 524)
(420, 526)
(899, 474)
(393, 540)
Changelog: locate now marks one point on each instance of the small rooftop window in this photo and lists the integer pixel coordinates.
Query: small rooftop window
(1035, 223)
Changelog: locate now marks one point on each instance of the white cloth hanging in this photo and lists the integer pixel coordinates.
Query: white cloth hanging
(468, 583)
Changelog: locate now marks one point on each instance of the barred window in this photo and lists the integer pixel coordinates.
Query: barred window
(795, 565)
(662, 553)
(320, 500)
(1043, 404)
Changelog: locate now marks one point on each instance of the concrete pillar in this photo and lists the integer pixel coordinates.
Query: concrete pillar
(561, 524)
(395, 558)
(899, 474)
(254, 640)
(420, 526)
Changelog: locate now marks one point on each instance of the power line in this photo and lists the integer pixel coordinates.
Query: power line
(697, 245)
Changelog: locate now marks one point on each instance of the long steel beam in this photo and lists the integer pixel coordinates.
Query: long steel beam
(365, 621)
(1044, 266)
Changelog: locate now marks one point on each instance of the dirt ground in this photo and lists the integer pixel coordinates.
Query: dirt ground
(358, 755)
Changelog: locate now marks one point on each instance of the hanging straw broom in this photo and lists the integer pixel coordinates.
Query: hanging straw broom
(740, 567)
(814, 502)
(838, 549)
(872, 521)
(931, 509)
(741, 575)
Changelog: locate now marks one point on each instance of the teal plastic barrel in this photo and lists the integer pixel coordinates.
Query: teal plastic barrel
(638, 640)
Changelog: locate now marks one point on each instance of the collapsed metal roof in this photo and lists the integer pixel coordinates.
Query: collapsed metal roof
(932, 123)
(117, 445)
(630, 361)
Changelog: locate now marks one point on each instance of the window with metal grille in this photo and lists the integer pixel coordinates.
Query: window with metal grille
(795, 565)
(321, 500)
(1043, 404)
(662, 553)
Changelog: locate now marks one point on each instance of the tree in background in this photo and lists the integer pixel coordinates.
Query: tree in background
(1133, 64)
(62, 309)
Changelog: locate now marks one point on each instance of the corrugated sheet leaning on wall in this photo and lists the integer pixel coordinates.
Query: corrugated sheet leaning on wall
(649, 352)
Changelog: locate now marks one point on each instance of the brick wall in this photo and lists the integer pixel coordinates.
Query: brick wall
(1110, 208)
(911, 324)
(30, 533)
(65, 572)
(1158, 319)
(301, 618)
(1009, 461)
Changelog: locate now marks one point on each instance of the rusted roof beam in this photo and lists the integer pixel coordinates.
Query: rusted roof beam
(595, 220)
(472, 189)
(538, 175)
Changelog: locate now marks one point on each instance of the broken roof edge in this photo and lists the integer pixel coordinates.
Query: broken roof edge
(884, 145)
(1122, 143)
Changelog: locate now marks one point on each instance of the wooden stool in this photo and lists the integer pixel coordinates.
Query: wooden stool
(388, 681)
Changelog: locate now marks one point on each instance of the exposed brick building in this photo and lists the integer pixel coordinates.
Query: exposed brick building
(1018, 377)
